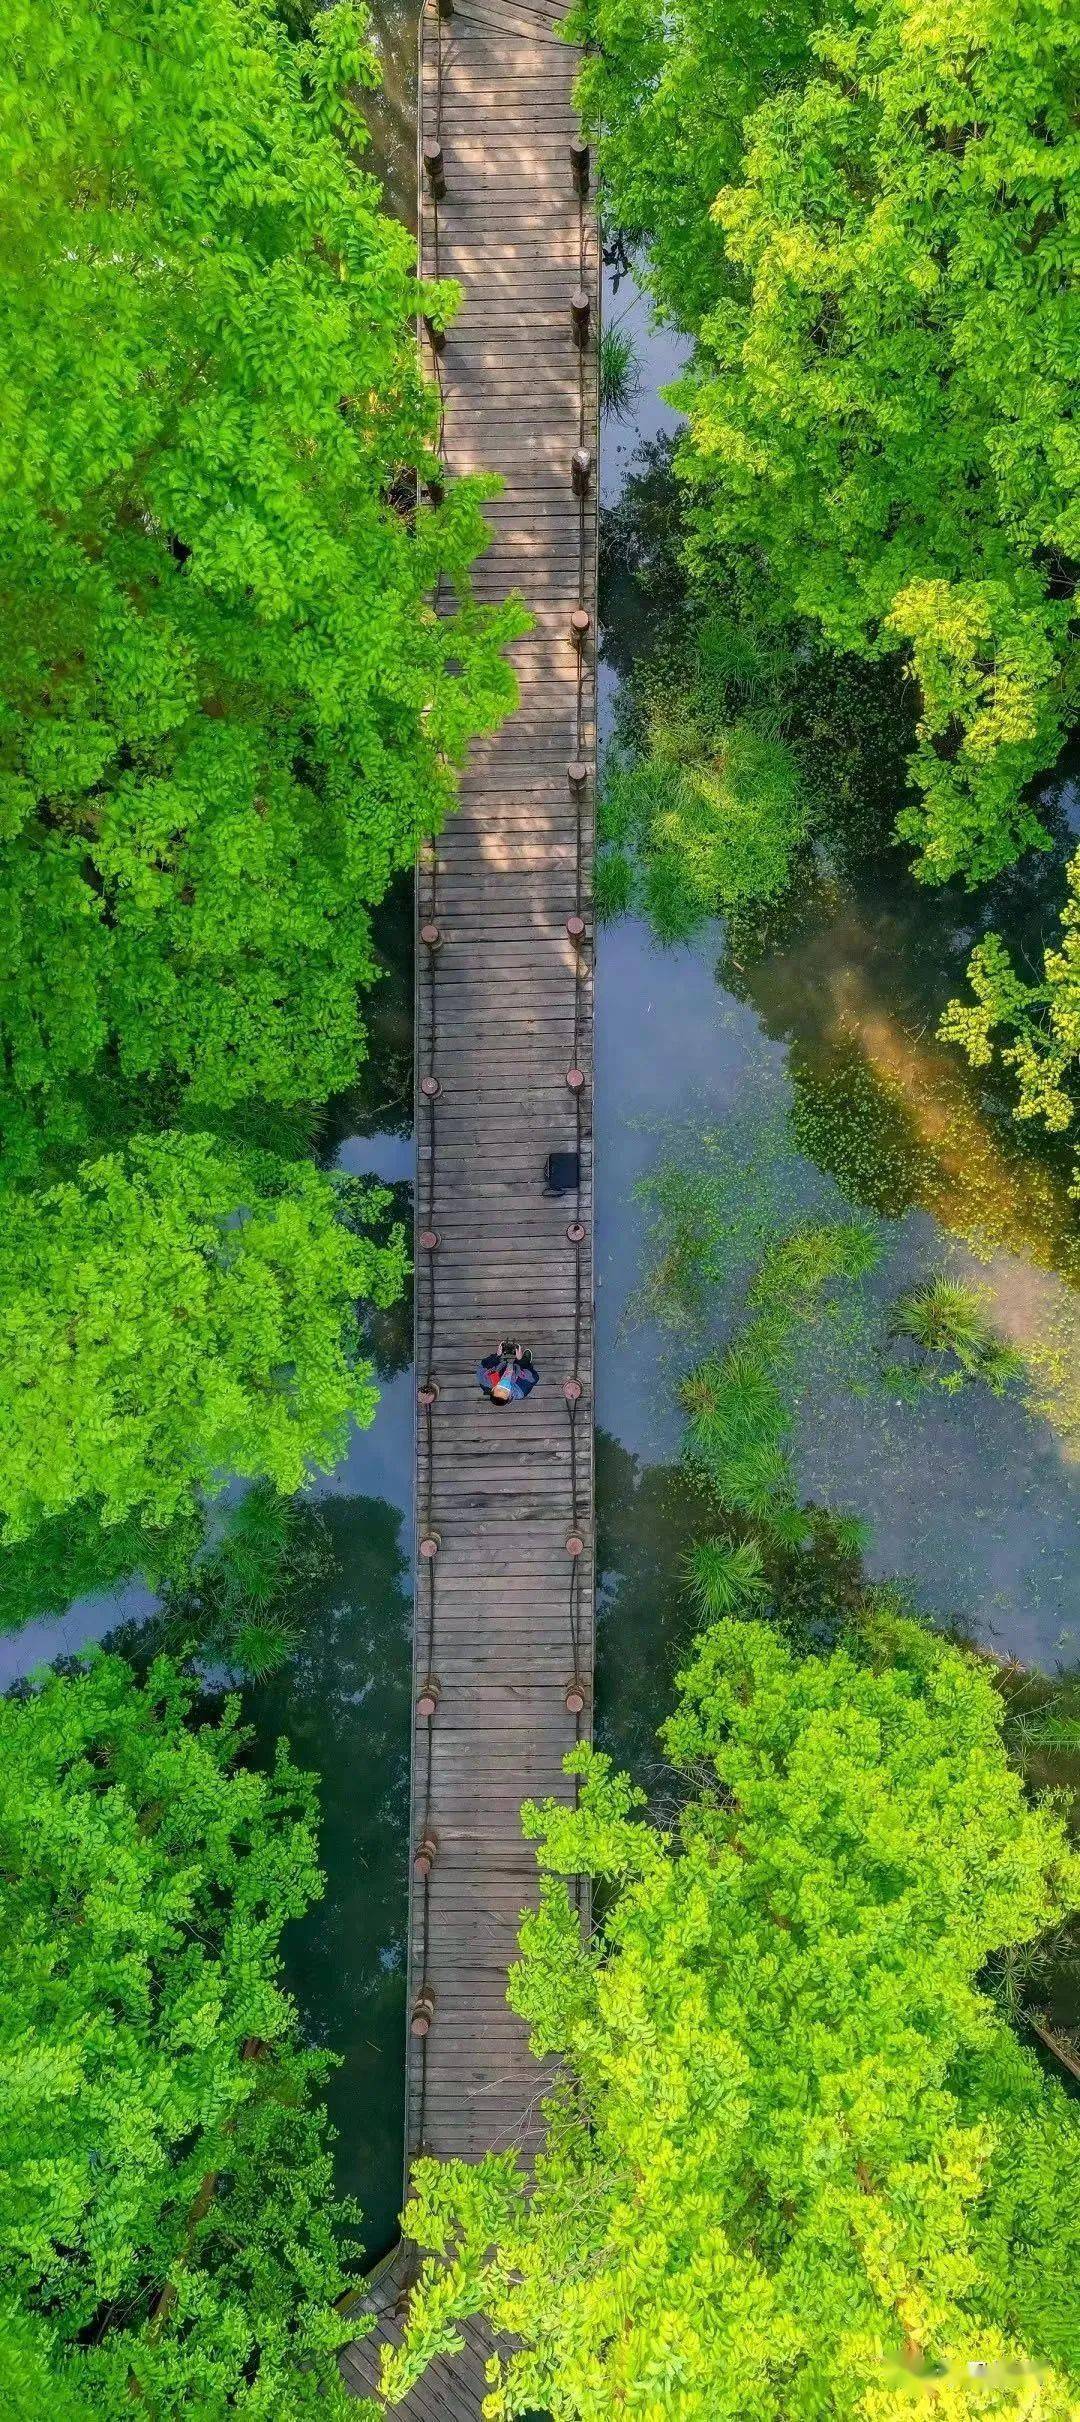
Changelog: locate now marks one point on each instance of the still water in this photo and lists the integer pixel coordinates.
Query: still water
(780, 1068)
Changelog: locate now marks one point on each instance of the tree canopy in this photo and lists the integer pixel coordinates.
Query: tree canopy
(228, 710)
(878, 267)
(180, 1313)
(166, 2244)
(795, 2162)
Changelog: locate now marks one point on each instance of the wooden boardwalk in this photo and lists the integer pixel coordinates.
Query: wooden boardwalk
(504, 1606)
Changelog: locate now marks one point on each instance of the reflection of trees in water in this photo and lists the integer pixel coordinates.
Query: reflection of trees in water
(647, 1517)
(854, 985)
(342, 1703)
(380, 1101)
(642, 587)
(385, 1334)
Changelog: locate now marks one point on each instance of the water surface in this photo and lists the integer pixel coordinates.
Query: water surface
(792, 1057)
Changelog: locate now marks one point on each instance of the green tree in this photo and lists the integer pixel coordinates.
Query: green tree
(1036, 1025)
(881, 399)
(178, 1313)
(166, 2238)
(667, 87)
(228, 710)
(795, 2163)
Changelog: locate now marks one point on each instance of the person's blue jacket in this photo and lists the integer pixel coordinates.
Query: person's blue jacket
(513, 1378)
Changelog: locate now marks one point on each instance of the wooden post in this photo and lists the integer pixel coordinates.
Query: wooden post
(433, 168)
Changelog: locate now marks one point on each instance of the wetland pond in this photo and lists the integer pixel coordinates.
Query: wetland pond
(803, 1080)
(798, 1081)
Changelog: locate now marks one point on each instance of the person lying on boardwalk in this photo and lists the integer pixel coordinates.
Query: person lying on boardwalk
(508, 1375)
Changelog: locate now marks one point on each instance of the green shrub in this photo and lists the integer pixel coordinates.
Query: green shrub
(793, 2161)
(167, 2218)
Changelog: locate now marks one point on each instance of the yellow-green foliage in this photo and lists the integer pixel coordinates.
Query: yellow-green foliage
(177, 1314)
(868, 220)
(796, 2166)
(167, 2239)
(1036, 1026)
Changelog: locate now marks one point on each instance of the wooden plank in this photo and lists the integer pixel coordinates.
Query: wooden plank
(503, 1613)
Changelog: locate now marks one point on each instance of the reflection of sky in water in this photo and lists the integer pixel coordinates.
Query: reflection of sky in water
(661, 354)
(968, 1497)
(86, 1619)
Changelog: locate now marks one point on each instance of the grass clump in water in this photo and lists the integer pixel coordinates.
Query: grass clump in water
(736, 1435)
(620, 373)
(710, 817)
(240, 1606)
(947, 1321)
(613, 885)
(725, 1576)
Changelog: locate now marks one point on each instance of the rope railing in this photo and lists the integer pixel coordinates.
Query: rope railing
(425, 1839)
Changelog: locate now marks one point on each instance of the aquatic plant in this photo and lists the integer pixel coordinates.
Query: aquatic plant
(620, 372)
(714, 1200)
(734, 1437)
(738, 1418)
(1042, 1715)
(241, 1605)
(799, 1267)
(712, 813)
(725, 1576)
(851, 1534)
(859, 1130)
(778, 2060)
(819, 1597)
(948, 1322)
(613, 885)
